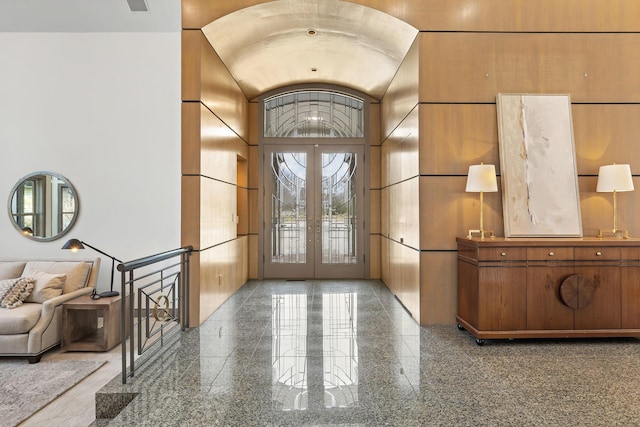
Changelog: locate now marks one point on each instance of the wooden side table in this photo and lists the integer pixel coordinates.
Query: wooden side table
(91, 325)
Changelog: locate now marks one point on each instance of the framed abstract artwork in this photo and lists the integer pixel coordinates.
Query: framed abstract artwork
(538, 166)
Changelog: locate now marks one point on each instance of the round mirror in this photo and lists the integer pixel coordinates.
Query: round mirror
(43, 206)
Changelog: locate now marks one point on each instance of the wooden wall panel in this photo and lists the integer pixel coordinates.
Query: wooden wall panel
(438, 288)
(606, 134)
(191, 147)
(198, 13)
(190, 212)
(400, 159)
(455, 136)
(374, 254)
(469, 15)
(447, 211)
(374, 212)
(474, 67)
(191, 65)
(206, 79)
(221, 94)
(384, 211)
(223, 270)
(243, 211)
(404, 212)
(374, 124)
(253, 256)
(375, 163)
(385, 254)
(254, 123)
(402, 95)
(514, 15)
(219, 147)
(404, 276)
(218, 206)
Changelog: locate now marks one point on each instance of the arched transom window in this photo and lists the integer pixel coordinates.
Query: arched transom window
(313, 114)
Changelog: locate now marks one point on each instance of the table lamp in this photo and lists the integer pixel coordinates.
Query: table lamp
(75, 245)
(613, 179)
(480, 179)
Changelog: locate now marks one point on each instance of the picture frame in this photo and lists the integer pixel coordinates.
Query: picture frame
(539, 176)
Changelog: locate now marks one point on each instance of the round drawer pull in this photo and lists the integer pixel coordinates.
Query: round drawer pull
(503, 254)
(598, 253)
(551, 254)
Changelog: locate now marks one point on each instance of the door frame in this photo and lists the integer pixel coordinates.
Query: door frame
(363, 141)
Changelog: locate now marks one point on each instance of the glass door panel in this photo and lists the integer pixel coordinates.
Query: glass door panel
(288, 230)
(339, 231)
(339, 209)
(288, 208)
(313, 212)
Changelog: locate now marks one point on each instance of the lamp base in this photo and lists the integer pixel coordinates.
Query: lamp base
(620, 234)
(108, 294)
(481, 233)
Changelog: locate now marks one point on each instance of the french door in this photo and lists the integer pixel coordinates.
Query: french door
(313, 211)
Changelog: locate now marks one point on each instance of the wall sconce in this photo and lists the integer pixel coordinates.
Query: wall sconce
(75, 245)
(613, 179)
(480, 179)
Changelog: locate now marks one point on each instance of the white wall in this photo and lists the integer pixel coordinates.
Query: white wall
(103, 110)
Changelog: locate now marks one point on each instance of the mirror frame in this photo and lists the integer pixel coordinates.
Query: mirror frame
(58, 235)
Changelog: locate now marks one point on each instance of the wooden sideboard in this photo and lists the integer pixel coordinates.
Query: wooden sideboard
(548, 287)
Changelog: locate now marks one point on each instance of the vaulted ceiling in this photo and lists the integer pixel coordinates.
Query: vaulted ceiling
(288, 42)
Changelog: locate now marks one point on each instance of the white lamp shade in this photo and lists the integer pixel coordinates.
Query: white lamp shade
(482, 178)
(614, 177)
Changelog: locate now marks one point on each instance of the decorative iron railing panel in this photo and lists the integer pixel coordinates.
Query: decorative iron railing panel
(160, 309)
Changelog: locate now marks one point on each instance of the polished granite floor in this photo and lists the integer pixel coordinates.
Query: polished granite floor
(327, 353)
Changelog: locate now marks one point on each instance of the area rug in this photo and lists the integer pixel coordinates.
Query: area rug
(26, 388)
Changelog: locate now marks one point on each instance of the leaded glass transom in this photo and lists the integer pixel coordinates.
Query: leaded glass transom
(313, 114)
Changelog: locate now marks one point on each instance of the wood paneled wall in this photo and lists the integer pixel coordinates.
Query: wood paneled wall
(438, 117)
(400, 183)
(516, 47)
(215, 176)
(469, 15)
(467, 53)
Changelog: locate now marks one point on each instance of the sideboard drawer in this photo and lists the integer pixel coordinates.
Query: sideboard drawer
(502, 254)
(630, 254)
(597, 253)
(549, 254)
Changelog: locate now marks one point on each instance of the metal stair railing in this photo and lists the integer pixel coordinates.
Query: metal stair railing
(155, 304)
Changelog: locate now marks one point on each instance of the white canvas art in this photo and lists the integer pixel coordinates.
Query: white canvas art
(538, 166)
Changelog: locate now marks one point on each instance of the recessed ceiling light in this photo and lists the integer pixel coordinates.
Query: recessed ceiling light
(312, 32)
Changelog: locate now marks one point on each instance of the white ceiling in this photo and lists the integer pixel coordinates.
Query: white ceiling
(88, 16)
(264, 46)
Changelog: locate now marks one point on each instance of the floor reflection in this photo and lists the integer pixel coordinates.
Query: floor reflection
(289, 357)
(289, 352)
(340, 349)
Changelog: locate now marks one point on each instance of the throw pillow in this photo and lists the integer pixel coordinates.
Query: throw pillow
(6, 285)
(18, 293)
(77, 277)
(46, 286)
